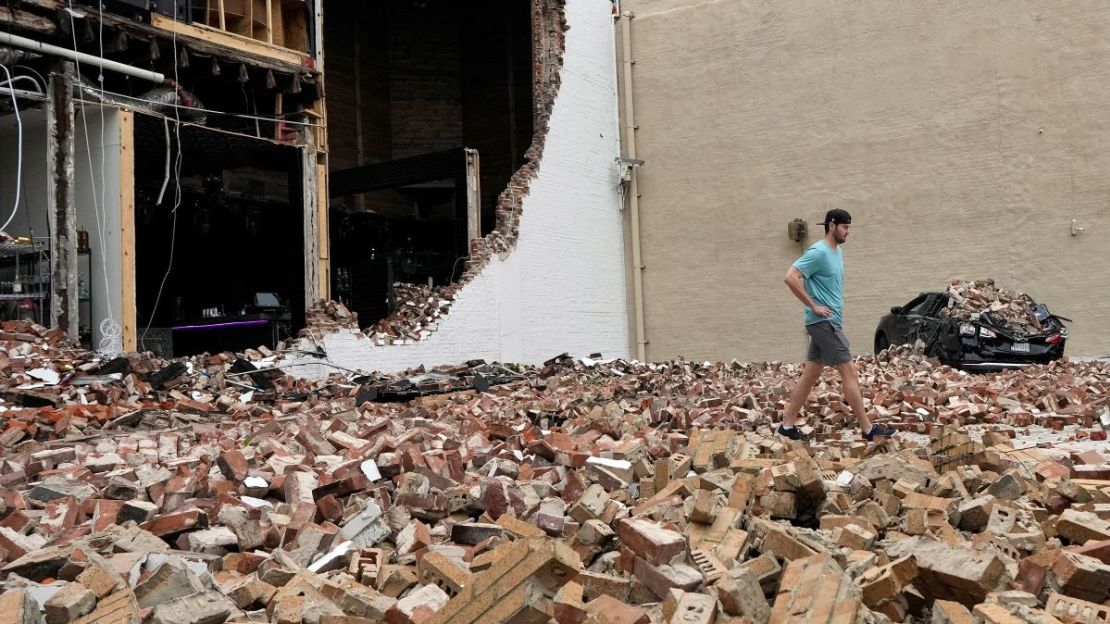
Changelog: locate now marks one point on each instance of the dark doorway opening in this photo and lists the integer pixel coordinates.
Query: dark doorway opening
(236, 276)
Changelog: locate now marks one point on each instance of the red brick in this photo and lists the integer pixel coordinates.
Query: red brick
(653, 542)
(1099, 549)
(607, 610)
(233, 465)
(173, 523)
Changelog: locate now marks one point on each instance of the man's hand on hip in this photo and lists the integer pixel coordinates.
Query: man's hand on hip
(821, 310)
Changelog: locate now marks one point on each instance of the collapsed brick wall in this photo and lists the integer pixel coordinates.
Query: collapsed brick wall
(419, 307)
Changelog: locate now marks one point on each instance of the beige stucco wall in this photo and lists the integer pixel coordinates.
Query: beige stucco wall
(963, 136)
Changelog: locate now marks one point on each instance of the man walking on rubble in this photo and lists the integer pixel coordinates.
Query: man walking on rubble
(817, 280)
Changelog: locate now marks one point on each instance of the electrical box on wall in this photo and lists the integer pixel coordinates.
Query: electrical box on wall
(797, 230)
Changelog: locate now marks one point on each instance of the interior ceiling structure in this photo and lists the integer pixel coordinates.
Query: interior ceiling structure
(220, 150)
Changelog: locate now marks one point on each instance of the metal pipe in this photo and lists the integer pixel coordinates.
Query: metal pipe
(81, 57)
(634, 187)
(22, 93)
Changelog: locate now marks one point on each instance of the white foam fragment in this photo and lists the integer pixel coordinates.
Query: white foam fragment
(370, 469)
(619, 464)
(844, 479)
(335, 553)
(48, 375)
(256, 503)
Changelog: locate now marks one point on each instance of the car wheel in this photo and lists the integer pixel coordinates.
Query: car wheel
(881, 342)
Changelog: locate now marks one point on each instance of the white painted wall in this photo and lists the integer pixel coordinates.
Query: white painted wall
(98, 189)
(89, 189)
(32, 204)
(563, 288)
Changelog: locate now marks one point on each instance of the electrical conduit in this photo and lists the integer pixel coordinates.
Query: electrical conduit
(634, 190)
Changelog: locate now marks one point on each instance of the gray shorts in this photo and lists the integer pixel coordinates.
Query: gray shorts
(828, 344)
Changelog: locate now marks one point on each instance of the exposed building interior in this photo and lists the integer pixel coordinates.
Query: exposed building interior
(174, 136)
(430, 108)
(219, 261)
(24, 259)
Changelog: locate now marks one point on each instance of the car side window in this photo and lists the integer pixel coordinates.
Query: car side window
(936, 304)
(917, 306)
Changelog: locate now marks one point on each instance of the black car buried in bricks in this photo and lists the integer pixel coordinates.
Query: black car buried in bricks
(981, 344)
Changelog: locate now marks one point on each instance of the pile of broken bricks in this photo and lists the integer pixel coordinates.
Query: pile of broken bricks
(328, 316)
(417, 311)
(969, 299)
(585, 491)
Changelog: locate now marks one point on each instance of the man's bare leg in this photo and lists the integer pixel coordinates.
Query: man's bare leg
(810, 374)
(849, 378)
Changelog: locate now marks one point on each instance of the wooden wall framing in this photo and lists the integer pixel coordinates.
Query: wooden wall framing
(129, 312)
(232, 41)
(277, 22)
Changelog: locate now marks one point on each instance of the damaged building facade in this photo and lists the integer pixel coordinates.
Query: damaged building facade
(174, 176)
(163, 170)
(180, 171)
(475, 185)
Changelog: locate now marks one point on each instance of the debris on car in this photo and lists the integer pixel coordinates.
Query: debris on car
(969, 300)
(976, 325)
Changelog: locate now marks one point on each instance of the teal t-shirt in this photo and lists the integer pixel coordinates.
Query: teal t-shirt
(823, 269)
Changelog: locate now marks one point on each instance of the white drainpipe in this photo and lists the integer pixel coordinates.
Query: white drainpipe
(634, 187)
(73, 55)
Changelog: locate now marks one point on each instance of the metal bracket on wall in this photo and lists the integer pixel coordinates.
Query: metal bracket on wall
(1077, 229)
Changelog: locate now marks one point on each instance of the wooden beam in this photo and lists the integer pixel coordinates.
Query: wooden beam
(323, 226)
(311, 200)
(284, 61)
(240, 43)
(400, 172)
(270, 21)
(22, 20)
(61, 201)
(129, 314)
(473, 197)
(50, 5)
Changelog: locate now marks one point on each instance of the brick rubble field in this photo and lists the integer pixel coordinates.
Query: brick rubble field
(211, 490)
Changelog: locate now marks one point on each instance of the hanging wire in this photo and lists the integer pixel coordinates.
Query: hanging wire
(19, 161)
(176, 200)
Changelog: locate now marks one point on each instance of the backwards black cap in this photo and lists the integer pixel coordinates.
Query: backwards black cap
(836, 216)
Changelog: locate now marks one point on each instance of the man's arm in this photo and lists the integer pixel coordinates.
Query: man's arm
(794, 281)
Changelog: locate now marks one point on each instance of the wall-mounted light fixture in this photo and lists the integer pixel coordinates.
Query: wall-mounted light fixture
(1077, 229)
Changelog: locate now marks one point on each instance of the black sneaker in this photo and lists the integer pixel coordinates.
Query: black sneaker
(878, 430)
(791, 433)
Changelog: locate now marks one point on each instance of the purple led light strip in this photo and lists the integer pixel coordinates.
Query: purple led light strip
(220, 325)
